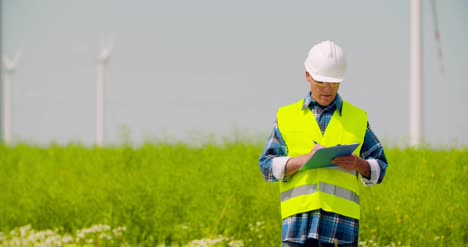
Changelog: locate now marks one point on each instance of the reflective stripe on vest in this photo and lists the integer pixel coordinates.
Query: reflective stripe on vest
(325, 188)
(331, 189)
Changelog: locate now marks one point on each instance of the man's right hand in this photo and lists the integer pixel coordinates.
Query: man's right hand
(294, 164)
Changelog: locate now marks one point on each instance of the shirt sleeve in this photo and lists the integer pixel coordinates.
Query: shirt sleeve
(372, 151)
(274, 157)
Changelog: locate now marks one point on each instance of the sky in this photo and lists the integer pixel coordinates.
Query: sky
(185, 70)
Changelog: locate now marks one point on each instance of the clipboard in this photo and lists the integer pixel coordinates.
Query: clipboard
(324, 156)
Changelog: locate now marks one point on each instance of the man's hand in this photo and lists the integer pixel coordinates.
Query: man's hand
(353, 162)
(294, 164)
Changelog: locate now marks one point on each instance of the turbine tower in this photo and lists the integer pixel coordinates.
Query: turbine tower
(8, 89)
(416, 85)
(102, 69)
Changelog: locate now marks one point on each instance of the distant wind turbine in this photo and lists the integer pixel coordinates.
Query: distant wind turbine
(102, 68)
(8, 89)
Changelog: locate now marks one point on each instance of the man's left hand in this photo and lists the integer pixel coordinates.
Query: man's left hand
(353, 162)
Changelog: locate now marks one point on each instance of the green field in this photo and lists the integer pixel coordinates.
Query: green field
(179, 195)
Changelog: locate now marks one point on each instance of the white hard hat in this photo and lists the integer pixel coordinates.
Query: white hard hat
(326, 62)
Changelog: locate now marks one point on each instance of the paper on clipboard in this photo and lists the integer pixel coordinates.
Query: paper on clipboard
(324, 156)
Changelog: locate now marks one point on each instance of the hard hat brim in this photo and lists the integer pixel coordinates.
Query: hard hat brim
(326, 78)
(322, 78)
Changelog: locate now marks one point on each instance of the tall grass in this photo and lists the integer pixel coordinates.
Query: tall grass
(422, 201)
(175, 194)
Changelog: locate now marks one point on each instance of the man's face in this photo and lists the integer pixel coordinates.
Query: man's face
(323, 93)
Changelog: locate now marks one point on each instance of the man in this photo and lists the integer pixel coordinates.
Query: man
(320, 207)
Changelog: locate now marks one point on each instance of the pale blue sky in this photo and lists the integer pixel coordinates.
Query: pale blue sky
(215, 66)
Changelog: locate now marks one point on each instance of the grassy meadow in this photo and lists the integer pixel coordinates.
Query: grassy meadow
(211, 195)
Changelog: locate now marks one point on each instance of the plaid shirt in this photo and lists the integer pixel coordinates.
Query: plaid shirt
(318, 224)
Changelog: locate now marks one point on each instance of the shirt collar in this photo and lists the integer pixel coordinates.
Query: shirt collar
(311, 103)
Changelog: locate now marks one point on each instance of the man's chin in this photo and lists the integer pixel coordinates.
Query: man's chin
(325, 102)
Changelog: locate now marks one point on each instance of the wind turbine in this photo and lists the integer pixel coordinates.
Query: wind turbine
(102, 69)
(416, 69)
(8, 89)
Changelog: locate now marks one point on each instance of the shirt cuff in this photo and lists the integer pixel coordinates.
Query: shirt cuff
(375, 173)
(278, 164)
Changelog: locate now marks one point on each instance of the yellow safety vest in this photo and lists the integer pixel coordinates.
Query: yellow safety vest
(332, 189)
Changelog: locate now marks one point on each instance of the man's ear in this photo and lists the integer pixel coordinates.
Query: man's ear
(307, 77)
